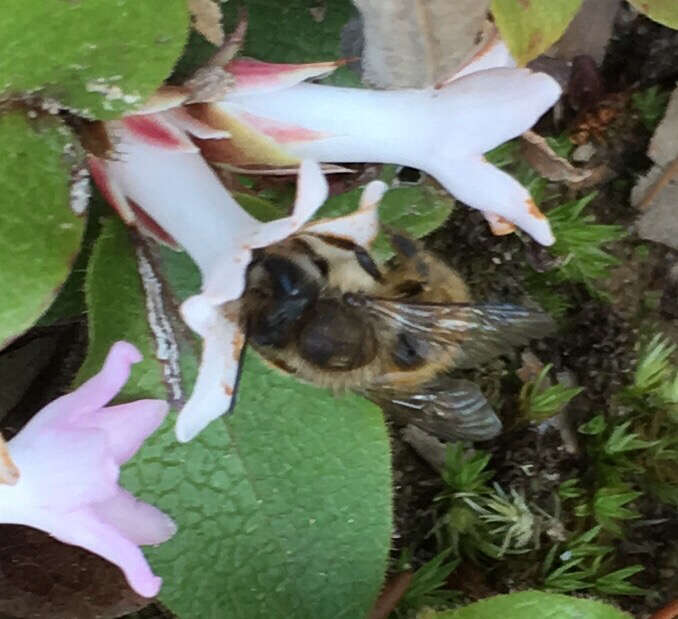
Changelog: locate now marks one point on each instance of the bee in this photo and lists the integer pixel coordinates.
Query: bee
(320, 309)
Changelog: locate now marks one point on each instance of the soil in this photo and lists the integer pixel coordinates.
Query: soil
(596, 345)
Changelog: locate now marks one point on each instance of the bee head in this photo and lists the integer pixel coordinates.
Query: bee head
(285, 291)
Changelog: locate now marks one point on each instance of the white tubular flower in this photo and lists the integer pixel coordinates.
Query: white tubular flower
(158, 180)
(60, 473)
(443, 131)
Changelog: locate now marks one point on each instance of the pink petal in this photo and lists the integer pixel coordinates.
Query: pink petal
(190, 124)
(361, 226)
(282, 133)
(110, 189)
(156, 131)
(62, 466)
(482, 186)
(213, 391)
(139, 522)
(83, 528)
(128, 425)
(255, 76)
(103, 386)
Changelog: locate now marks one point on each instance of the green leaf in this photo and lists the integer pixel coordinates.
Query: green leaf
(415, 210)
(39, 233)
(283, 32)
(96, 57)
(530, 27)
(283, 510)
(531, 605)
(662, 11)
(608, 507)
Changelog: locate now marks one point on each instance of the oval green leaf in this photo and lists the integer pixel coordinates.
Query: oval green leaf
(95, 57)
(662, 11)
(530, 27)
(39, 233)
(531, 605)
(284, 510)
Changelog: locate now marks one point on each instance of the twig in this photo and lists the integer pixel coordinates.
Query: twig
(391, 594)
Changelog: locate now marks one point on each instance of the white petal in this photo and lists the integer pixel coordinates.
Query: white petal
(493, 55)
(213, 391)
(184, 196)
(362, 225)
(482, 186)
(472, 114)
(312, 190)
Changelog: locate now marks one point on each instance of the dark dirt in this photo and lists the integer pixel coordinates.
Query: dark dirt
(597, 342)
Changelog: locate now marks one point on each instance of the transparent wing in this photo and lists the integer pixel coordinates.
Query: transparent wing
(446, 407)
(470, 334)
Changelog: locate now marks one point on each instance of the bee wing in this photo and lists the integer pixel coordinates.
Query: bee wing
(469, 334)
(446, 407)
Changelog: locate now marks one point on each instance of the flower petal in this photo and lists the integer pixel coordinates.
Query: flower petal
(482, 186)
(172, 187)
(138, 521)
(499, 225)
(155, 130)
(110, 189)
(9, 473)
(254, 76)
(185, 121)
(223, 342)
(361, 226)
(105, 385)
(83, 528)
(492, 55)
(493, 106)
(128, 425)
(312, 191)
(92, 394)
(470, 115)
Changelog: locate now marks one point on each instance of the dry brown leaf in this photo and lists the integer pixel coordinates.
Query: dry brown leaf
(206, 17)
(418, 43)
(550, 165)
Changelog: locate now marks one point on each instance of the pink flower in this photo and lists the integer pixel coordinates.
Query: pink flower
(60, 473)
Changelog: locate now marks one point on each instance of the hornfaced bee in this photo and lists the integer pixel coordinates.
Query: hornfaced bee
(320, 309)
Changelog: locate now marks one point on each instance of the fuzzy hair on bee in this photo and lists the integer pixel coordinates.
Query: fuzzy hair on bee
(319, 308)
